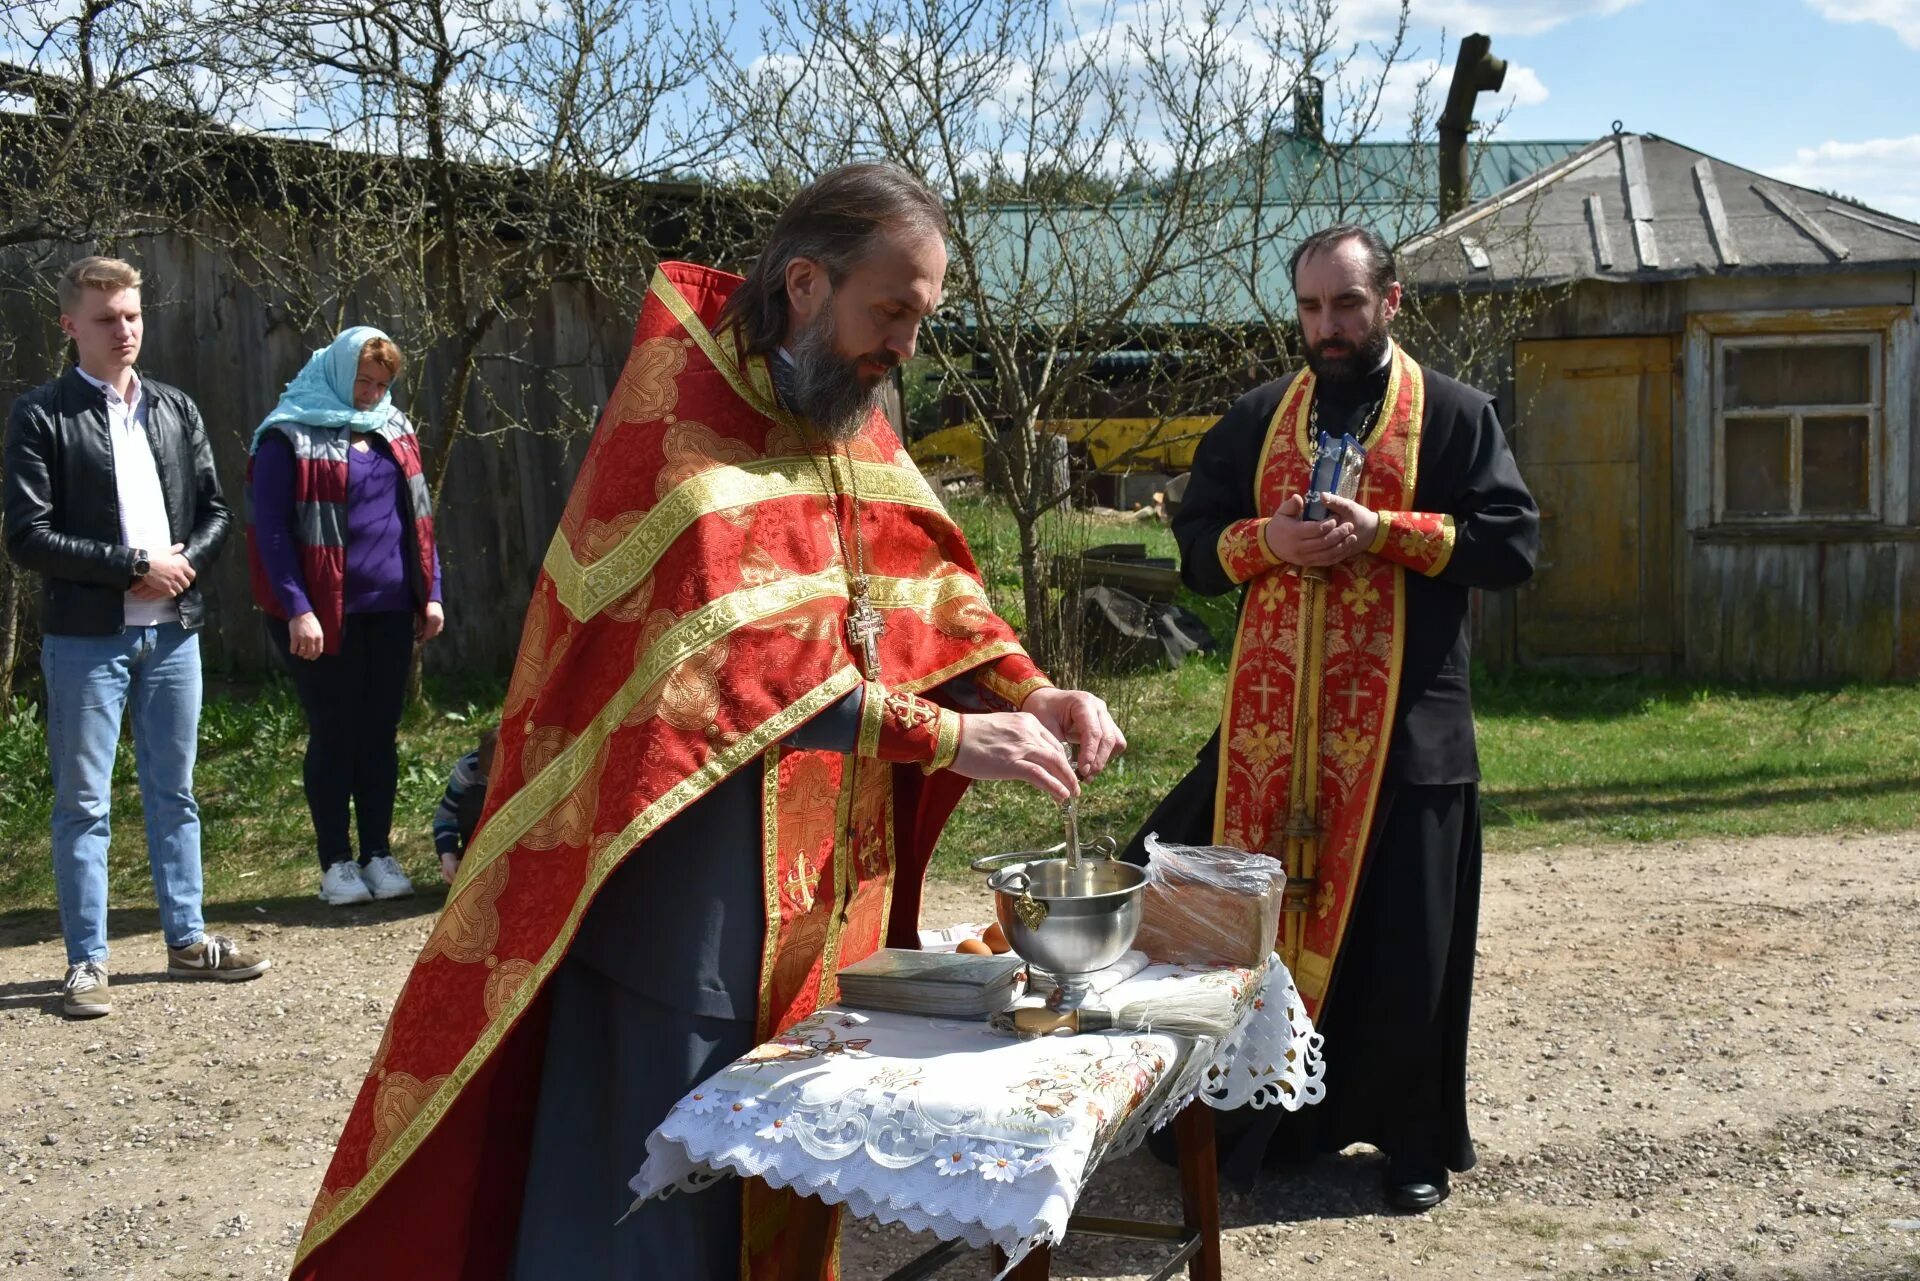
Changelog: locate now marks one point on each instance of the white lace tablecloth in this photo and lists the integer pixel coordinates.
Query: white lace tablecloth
(956, 1129)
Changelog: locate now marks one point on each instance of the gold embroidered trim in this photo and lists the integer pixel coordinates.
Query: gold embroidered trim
(1398, 361)
(1416, 419)
(983, 655)
(1416, 423)
(1302, 385)
(844, 874)
(873, 714)
(922, 594)
(1425, 550)
(689, 636)
(1239, 539)
(1381, 530)
(722, 359)
(1000, 687)
(770, 868)
(676, 798)
(681, 641)
(587, 588)
(1447, 535)
(948, 741)
(891, 853)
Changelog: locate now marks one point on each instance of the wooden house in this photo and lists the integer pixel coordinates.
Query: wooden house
(1714, 394)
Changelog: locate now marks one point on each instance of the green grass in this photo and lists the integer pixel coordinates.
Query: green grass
(1570, 759)
(1567, 760)
(256, 838)
(1167, 717)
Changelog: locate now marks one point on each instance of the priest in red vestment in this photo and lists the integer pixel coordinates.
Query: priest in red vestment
(757, 671)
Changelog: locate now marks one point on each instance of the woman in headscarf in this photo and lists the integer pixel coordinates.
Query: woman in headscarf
(340, 547)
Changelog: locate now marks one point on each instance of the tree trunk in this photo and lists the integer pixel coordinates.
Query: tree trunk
(1039, 634)
(9, 630)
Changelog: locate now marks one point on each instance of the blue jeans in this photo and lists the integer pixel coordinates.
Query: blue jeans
(90, 680)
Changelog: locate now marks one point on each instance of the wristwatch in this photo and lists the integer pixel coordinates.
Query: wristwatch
(141, 565)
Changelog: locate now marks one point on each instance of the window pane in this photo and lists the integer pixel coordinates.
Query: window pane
(1834, 473)
(1828, 375)
(1759, 477)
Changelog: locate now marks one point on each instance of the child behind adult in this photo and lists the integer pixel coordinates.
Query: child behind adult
(458, 814)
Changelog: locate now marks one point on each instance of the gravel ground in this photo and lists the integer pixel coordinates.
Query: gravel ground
(1696, 1060)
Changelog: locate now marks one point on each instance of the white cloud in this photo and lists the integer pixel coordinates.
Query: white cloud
(1884, 172)
(1523, 87)
(1902, 17)
(1367, 19)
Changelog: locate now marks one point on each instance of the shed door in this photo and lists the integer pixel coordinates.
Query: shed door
(1595, 443)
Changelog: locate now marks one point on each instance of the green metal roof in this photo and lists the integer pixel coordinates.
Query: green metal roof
(1043, 264)
(1304, 170)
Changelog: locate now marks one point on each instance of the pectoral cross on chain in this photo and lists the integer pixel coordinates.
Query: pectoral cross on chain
(864, 628)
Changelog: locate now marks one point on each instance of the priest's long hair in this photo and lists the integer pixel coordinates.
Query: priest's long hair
(831, 222)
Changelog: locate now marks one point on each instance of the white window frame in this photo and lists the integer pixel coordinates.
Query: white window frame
(1874, 340)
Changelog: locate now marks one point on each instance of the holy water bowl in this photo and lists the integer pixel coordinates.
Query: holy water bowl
(1067, 921)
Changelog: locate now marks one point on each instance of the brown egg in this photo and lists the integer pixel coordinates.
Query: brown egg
(973, 947)
(996, 939)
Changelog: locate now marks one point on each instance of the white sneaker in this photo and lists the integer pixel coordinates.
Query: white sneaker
(384, 877)
(342, 884)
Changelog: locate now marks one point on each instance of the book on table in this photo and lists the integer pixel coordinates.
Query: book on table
(938, 984)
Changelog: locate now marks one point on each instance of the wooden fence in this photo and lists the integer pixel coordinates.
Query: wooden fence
(540, 385)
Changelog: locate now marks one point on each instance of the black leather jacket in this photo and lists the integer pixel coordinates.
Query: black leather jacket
(63, 507)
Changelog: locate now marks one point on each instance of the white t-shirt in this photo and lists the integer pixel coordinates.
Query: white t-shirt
(143, 504)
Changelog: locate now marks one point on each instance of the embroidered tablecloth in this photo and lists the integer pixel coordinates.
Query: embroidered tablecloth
(953, 1128)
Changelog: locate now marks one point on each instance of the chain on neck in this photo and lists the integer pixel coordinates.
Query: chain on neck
(1370, 423)
(856, 562)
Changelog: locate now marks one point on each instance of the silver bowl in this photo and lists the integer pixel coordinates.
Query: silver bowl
(1069, 922)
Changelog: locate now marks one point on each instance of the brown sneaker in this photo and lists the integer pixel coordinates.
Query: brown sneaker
(215, 957)
(84, 994)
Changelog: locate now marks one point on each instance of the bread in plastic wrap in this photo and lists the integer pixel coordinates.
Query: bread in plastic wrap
(1209, 905)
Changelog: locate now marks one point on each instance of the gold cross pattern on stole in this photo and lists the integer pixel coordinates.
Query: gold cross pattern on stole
(800, 882)
(1353, 693)
(1266, 689)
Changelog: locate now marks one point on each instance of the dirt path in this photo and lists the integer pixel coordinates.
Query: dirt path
(1690, 1061)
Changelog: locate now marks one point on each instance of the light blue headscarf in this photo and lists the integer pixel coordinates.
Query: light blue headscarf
(321, 394)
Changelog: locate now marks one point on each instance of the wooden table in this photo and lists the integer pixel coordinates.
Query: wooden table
(950, 1126)
(1196, 1237)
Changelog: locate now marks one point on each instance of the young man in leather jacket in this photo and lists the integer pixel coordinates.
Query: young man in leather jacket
(111, 497)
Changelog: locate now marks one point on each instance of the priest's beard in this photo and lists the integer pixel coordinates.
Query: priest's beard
(828, 390)
(1346, 364)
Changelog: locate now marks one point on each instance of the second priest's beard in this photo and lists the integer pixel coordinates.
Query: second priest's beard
(1367, 357)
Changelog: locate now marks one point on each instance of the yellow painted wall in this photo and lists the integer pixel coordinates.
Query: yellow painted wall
(1111, 443)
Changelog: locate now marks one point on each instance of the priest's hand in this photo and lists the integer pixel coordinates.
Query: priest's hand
(1365, 521)
(1075, 716)
(1310, 542)
(1014, 747)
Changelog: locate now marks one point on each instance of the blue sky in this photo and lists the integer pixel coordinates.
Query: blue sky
(1783, 86)
(1825, 93)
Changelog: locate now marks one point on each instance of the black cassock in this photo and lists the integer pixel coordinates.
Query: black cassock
(1395, 1016)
